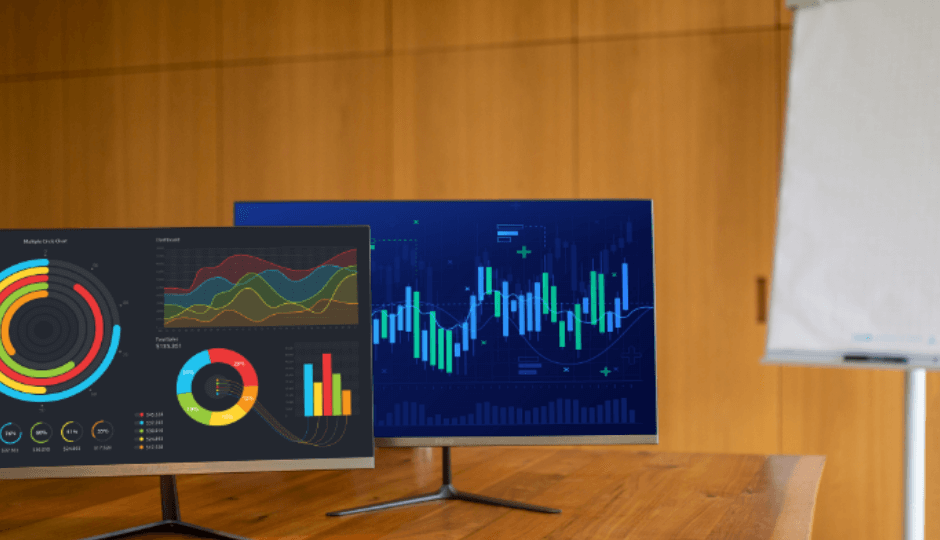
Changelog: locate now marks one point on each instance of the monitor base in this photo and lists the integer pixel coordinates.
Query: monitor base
(445, 493)
(171, 523)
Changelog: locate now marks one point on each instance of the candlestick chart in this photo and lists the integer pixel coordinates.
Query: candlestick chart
(504, 317)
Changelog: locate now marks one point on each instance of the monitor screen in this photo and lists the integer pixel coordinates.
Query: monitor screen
(504, 322)
(171, 351)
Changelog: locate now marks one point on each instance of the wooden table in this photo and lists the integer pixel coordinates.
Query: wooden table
(604, 492)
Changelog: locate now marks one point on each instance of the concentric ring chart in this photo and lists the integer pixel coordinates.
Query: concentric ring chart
(59, 330)
(184, 350)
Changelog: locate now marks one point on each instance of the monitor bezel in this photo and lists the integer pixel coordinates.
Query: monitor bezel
(205, 467)
(538, 440)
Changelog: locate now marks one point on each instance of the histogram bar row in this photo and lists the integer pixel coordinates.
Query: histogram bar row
(559, 411)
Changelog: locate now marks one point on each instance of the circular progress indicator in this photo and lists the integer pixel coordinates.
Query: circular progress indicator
(59, 330)
(203, 415)
(10, 433)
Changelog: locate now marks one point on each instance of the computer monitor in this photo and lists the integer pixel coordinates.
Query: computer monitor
(504, 322)
(185, 350)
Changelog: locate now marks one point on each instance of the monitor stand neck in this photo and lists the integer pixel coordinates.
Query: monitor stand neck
(171, 523)
(446, 492)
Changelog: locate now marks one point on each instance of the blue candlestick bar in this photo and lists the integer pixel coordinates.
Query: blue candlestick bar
(559, 411)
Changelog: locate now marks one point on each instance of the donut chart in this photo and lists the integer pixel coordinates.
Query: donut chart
(184, 387)
(59, 330)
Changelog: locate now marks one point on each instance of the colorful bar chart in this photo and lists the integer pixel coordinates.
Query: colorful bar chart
(325, 397)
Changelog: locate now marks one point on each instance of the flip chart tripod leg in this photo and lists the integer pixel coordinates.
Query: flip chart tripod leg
(915, 443)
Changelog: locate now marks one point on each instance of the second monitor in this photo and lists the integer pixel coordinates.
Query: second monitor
(504, 322)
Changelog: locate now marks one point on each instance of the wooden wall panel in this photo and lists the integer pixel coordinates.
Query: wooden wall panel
(30, 36)
(141, 150)
(278, 28)
(484, 124)
(317, 130)
(432, 23)
(618, 17)
(118, 33)
(856, 419)
(691, 122)
(31, 154)
(785, 14)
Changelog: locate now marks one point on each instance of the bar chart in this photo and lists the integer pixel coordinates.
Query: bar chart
(558, 411)
(325, 379)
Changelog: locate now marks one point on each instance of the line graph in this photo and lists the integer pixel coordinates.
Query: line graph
(315, 286)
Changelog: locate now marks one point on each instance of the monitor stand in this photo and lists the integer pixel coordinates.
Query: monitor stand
(171, 523)
(445, 493)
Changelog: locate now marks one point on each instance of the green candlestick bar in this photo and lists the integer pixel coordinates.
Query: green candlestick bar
(497, 302)
(416, 325)
(450, 351)
(601, 310)
(561, 334)
(440, 348)
(554, 304)
(544, 295)
(577, 327)
(337, 395)
(432, 331)
(384, 324)
(489, 281)
(593, 319)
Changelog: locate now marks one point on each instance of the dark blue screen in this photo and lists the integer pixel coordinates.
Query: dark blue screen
(504, 318)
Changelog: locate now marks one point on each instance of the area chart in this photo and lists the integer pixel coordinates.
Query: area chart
(246, 290)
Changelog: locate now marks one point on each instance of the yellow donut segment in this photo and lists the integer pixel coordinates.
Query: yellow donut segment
(20, 386)
(228, 416)
(5, 329)
(35, 271)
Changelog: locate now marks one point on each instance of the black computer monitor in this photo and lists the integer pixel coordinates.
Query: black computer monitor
(186, 350)
(504, 322)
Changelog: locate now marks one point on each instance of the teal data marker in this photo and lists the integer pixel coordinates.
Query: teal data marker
(524, 252)
(606, 371)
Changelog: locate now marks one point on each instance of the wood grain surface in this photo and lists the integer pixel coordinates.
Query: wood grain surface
(603, 492)
(597, 18)
(419, 24)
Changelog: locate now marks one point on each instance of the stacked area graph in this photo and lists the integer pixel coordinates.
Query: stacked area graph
(271, 289)
(504, 318)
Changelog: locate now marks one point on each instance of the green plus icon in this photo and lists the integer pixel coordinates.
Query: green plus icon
(524, 252)
(606, 371)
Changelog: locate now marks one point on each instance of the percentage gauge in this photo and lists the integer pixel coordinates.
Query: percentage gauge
(203, 360)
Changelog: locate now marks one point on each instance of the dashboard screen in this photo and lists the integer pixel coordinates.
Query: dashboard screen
(165, 351)
(504, 322)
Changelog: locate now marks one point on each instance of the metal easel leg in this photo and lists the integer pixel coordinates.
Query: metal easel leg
(915, 444)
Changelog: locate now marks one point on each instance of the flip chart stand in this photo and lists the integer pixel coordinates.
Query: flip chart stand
(915, 444)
